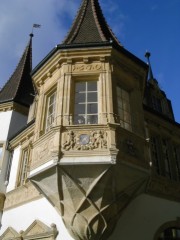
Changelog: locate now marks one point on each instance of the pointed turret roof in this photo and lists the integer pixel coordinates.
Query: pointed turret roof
(19, 88)
(151, 78)
(90, 26)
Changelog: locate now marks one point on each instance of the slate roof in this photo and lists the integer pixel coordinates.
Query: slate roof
(19, 88)
(90, 26)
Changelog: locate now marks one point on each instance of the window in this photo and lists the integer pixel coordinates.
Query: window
(123, 105)
(50, 114)
(86, 103)
(170, 234)
(24, 167)
(156, 104)
(177, 161)
(1, 152)
(166, 158)
(155, 154)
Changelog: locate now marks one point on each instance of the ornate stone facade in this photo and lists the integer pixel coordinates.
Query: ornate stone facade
(91, 141)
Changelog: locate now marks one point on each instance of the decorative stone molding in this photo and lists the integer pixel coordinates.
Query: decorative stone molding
(2, 199)
(45, 150)
(10, 234)
(130, 147)
(21, 195)
(85, 141)
(37, 230)
(86, 67)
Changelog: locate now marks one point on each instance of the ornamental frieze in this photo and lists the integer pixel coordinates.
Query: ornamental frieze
(90, 141)
(86, 67)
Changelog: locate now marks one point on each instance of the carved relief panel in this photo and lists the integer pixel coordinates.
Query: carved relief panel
(85, 140)
(45, 150)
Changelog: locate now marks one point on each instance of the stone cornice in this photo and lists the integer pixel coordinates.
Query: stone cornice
(12, 106)
(22, 137)
(21, 195)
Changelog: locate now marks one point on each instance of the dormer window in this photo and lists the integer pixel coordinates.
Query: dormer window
(123, 108)
(86, 103)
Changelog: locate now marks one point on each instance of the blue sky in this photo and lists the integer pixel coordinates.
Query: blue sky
(139, 25)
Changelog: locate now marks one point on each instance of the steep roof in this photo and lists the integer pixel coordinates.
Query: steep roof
(90, 26)
(19, 88)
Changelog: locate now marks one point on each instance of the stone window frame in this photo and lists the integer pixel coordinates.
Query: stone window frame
(48, 126)
(163, 154)
(46, 95)
(23, 170)
(176, 151)
(84, 80)
(124, 123)
(171, 224)
(2, 146)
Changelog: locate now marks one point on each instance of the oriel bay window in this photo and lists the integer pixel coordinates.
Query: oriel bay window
(123, 108)
(86, 102)
(50, 113)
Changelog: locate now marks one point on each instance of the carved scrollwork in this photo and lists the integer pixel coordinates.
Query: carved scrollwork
(96, 140)
(86, 67)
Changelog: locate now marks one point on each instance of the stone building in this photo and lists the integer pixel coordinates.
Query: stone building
(89, 147)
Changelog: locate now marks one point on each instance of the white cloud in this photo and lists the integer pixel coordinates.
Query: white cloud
(16, 20)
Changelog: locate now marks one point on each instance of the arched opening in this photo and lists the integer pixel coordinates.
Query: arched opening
(169, 231)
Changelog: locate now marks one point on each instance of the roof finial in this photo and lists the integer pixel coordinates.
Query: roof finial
(147, 55)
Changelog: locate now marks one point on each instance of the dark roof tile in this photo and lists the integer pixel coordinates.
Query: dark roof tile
(90, 26)
(19, 87)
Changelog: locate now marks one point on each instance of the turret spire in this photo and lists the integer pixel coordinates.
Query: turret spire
(151, 76)
(20, 87)
(90, 26)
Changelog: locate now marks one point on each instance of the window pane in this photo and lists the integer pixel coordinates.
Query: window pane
(52, 99)
(50, 114)
(1, 152)
(125, 95)
(126, 106)
(92, 97)
(86, 103)
(78, 119)
(79, 109)
(123, 108)
(80, 97)
(92, 108)
(92, 86)
(92, 119)
(80, 86)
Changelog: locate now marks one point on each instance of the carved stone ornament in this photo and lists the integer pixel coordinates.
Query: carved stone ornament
(2, 199)
(37, 230)
(86, 67)
(130, 147)
(92, 141)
